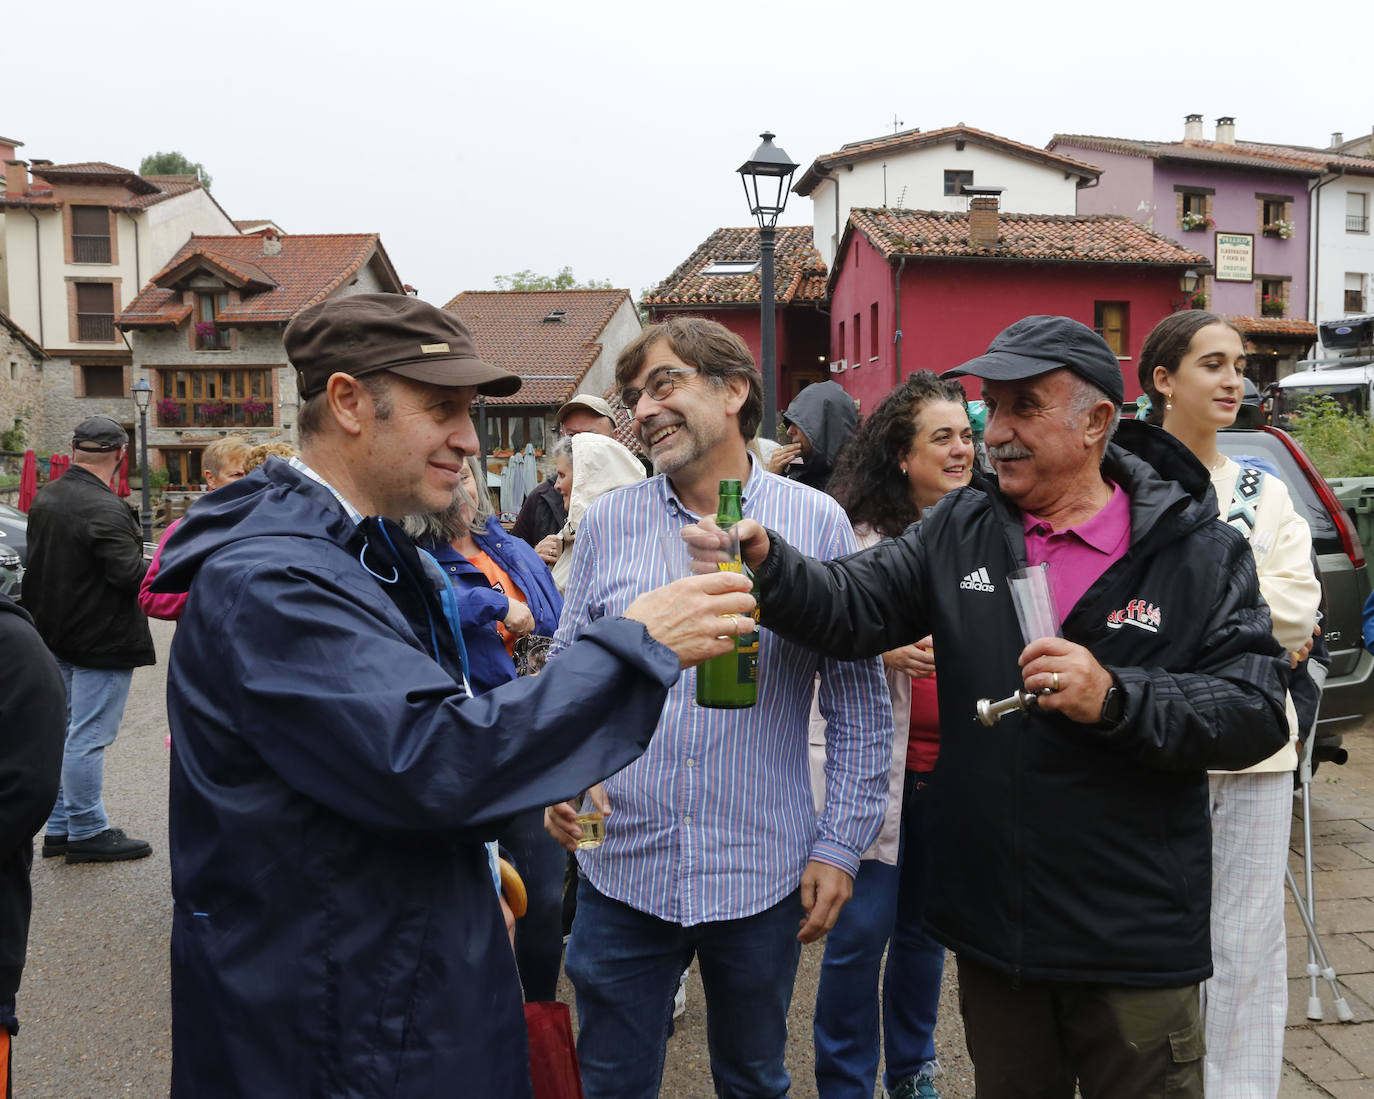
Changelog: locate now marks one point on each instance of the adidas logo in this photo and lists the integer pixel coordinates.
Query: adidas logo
(977, 580)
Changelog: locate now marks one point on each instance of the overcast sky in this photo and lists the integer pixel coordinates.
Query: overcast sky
(482, 139)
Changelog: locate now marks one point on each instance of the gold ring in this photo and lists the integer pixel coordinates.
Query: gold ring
(1054, 683)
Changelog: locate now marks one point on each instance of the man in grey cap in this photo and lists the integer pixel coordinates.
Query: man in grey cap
(1070, 861)
(336, 929)
(85, 565)
(543, 513)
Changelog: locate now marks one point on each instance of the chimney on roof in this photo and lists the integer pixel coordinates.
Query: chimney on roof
(1192, 127)
(271, 243)
(1226, 130)
(1337, 138)
(16, 177)
(982, 220)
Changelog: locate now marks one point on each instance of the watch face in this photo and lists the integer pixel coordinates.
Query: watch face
(1112, 706)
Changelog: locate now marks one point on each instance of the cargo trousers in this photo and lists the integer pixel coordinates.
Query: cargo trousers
(1036, 1039)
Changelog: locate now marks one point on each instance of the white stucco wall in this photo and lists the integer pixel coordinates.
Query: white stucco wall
(164, 228)
(915, 179)
(1338, 252)
(623, 327)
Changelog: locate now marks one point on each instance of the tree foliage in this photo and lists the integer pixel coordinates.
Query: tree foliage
(564, 280)
(173, 164)
(1340, 444)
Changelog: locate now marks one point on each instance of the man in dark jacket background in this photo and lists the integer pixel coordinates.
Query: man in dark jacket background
(335, 928)
(85, 565)
(33, 722)
(820, 420)
(1071, 842)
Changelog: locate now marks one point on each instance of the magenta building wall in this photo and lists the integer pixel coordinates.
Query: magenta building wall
(1145, 189)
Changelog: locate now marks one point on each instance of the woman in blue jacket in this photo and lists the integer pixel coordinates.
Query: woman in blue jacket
(504, 592)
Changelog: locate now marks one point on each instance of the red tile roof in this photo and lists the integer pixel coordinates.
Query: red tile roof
(1262, 327)
(908, 140)
(94, 170)
(308, 269)
(798, 271)
(552, 357)
(1295, 159)
(147, 190)
(1096, 238)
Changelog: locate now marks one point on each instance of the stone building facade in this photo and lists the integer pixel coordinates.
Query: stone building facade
(22, 364)
(206, 333)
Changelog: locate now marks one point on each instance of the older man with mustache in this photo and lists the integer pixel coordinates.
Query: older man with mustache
(1071, 841)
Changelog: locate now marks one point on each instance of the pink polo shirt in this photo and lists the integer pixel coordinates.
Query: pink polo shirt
(1078, 555)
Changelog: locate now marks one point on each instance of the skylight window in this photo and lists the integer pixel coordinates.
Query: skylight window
(556, 316)
(732, 267)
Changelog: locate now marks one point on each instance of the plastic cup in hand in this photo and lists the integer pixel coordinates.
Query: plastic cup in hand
(593, 825)
(711, 548)
(1033, 598)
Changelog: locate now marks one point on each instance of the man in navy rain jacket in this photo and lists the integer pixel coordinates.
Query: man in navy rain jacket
(336, 931)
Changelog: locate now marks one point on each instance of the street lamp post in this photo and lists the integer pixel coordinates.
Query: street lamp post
(143, 395)
(1188, 282)
(767, 176)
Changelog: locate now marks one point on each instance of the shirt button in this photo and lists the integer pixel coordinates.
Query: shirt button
(691, 762)
(687, 820)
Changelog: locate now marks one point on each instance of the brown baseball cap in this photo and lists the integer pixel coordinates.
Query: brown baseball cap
(364, 333)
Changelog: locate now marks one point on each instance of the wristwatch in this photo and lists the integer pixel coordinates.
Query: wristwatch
(1113, 705)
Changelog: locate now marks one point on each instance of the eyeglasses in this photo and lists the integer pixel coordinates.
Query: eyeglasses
(659, 385)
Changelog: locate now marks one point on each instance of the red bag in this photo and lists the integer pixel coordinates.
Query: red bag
(553, 1054)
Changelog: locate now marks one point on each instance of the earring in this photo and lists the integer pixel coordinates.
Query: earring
(903, 471)
(1168, 403)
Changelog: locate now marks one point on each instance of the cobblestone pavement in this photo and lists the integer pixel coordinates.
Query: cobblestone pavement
(94, 1002)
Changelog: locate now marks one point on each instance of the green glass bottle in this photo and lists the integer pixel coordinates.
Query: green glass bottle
(731, 680)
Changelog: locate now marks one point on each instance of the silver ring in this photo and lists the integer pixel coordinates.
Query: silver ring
(1054, 683)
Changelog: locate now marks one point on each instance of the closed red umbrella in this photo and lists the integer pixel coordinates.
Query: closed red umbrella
(28, 480)
(122, 489)
(58, 466)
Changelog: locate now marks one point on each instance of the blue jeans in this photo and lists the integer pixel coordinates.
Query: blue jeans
(625, 965)
(95, 705)
(539, 933)
(887, 904)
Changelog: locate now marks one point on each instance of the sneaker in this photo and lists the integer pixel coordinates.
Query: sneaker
(915, 1087)
(54, 845)
(111, 845)
(680, 997)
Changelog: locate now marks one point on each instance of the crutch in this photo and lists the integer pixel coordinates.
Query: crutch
(1317, 965)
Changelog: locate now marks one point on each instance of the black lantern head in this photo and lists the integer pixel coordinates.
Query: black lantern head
(767, 177)
(142, 393)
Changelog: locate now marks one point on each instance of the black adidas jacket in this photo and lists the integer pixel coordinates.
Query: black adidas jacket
(1065, 851)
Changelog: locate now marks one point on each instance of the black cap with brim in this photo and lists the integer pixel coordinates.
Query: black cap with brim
(99, 434)
(1036, 345)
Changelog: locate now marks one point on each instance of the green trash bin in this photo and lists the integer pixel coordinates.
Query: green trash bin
(1356, 495)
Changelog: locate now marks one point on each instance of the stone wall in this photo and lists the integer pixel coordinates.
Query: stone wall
(21, 382)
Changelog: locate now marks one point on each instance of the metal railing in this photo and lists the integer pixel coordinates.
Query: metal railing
(95, 327)
(1356, 223)
(90, 249)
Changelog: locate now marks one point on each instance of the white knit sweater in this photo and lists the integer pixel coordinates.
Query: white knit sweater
(1282, 544)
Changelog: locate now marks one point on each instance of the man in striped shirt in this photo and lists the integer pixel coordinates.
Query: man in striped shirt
(713, 849)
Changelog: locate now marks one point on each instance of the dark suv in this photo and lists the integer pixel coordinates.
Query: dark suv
(1349, 692)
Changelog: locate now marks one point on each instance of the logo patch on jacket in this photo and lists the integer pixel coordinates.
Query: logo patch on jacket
(977, 580)
(1138, 613)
